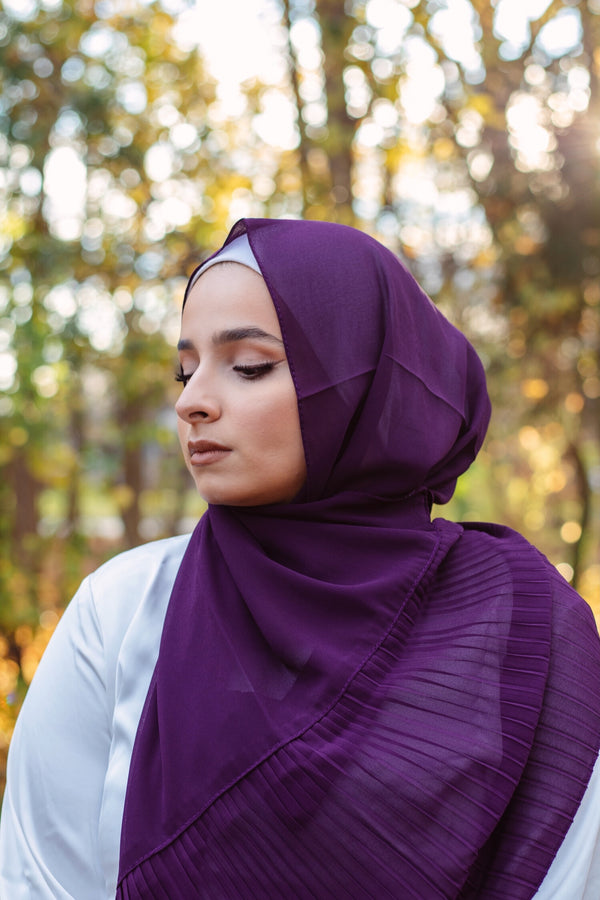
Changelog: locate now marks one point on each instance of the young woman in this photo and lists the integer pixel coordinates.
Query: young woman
(321, 693)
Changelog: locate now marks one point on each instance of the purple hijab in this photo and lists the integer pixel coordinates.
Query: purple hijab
(351, 700)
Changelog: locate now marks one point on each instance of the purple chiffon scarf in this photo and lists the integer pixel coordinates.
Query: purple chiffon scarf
(352, 701)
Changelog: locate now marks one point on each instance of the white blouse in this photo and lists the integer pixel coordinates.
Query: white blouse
(69, 757)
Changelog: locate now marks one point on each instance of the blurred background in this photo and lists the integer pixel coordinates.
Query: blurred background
(464, 135)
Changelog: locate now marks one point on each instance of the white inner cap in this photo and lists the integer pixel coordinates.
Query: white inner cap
(238, 251)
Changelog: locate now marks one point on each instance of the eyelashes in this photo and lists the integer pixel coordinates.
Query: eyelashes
(248, 372)
(252, 373)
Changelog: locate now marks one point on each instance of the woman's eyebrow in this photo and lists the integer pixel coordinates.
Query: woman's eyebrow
(230, 335)
(241, 334)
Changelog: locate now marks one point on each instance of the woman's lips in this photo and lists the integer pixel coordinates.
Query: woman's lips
(203, 453)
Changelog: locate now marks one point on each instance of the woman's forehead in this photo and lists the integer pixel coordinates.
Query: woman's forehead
(231, 294)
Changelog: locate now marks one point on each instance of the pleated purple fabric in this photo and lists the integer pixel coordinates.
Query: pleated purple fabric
(352, 701)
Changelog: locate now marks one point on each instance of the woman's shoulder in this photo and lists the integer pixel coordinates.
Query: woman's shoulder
(499, 553)
(140, 577)
(141, 563)
(501, 545)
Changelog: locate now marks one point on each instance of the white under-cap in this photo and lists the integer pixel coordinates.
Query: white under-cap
(238, 251)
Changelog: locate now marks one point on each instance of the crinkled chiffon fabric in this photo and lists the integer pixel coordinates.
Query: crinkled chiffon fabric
(351, 700)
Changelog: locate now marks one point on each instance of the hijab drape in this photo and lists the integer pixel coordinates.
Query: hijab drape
(351, 700)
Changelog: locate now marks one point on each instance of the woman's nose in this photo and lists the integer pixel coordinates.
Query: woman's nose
(197, 402)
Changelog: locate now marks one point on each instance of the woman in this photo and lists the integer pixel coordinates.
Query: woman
(321, 693)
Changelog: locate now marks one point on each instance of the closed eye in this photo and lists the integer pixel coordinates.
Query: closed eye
(182, 377)
(251, 373)
(247, 372)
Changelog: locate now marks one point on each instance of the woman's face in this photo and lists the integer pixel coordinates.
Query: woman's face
(238, 417)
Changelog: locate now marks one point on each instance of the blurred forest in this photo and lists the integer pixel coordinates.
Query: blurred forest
(464, 135)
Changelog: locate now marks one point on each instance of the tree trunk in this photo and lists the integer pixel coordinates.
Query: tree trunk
(336, 29)
(26, 516)
(130, 416)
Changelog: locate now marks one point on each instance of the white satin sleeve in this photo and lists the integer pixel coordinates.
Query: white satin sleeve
(575, 871)
(69, 756)
(57, 766)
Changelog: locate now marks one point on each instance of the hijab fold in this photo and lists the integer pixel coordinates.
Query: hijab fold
(351, 700)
